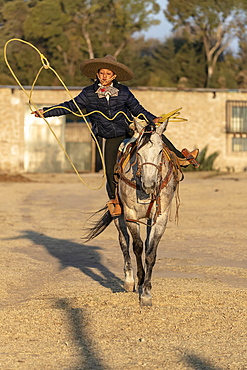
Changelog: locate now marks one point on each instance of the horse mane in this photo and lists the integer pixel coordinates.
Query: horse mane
(146, 137)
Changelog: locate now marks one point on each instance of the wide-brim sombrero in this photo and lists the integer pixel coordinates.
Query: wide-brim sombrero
(90, 68)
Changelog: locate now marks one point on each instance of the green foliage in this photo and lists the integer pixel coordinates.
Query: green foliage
(225, 75)
(174, 63)
(206, 163)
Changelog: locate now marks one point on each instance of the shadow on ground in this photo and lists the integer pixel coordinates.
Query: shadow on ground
(197, 363)
(85, 257)
(88, 358)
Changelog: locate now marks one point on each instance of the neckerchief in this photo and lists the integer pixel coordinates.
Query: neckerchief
(106, 91)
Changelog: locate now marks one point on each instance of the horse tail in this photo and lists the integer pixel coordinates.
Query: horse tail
(99, 226)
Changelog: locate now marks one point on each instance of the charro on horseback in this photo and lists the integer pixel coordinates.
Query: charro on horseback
(109, 97)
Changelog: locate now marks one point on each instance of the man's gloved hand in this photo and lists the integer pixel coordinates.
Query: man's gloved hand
(156, 120)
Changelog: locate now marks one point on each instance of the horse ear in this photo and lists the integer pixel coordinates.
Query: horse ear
(162, 127)
(137, 126)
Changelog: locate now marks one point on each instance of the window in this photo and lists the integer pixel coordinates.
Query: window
(239, 144)
(236, 124)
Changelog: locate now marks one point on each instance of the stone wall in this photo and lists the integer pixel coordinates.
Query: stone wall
(204, 109)
(11, 130)
(206, 125)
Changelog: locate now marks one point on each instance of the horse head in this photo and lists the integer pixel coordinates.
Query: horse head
(150, 155)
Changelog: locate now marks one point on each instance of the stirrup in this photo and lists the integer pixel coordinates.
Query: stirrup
(114, 208)
(190, 158)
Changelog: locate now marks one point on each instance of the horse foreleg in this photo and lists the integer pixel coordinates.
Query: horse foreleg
(123, 236)
(153, 238)
(134, 229)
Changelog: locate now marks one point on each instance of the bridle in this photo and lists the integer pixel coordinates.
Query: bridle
(161, 183)
(158, 166)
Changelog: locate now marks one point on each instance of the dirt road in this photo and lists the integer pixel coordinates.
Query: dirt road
(63, 306)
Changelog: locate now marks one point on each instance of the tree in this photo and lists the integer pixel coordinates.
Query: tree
(12, 17)
(241, 77)
(215, 22)
(68, 32)
(174, 63)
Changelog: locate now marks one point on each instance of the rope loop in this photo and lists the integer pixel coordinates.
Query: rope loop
(44, 61)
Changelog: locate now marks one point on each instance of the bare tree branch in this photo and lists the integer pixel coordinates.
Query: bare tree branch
(85, 21)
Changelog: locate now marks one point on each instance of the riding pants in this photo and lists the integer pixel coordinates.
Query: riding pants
(111, 148)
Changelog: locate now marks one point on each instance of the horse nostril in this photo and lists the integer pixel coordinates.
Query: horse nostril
(148, 188)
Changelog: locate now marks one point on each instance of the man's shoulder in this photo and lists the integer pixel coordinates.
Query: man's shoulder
(88, 89)
(123, 88)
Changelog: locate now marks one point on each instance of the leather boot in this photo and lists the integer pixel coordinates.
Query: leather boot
(114, 207)
(190, 158)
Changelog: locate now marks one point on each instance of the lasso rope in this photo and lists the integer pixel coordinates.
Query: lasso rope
(172, 116)
(46, 65)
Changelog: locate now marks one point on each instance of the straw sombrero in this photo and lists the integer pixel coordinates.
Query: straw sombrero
(90, 68)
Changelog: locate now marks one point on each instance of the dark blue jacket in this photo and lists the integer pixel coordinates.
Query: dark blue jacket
(125, 101)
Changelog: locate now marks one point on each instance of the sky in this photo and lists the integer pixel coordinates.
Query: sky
(164, 28)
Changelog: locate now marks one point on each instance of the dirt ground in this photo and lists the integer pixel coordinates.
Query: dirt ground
(63, 305)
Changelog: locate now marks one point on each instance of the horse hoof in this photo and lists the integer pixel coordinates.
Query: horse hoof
(146, 301)
(129, 287)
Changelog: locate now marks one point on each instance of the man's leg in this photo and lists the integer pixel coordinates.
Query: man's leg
(111, 149)
(185, 156)
(172, 147)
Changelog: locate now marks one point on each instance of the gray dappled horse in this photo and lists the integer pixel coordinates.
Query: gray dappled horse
(146, 188)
